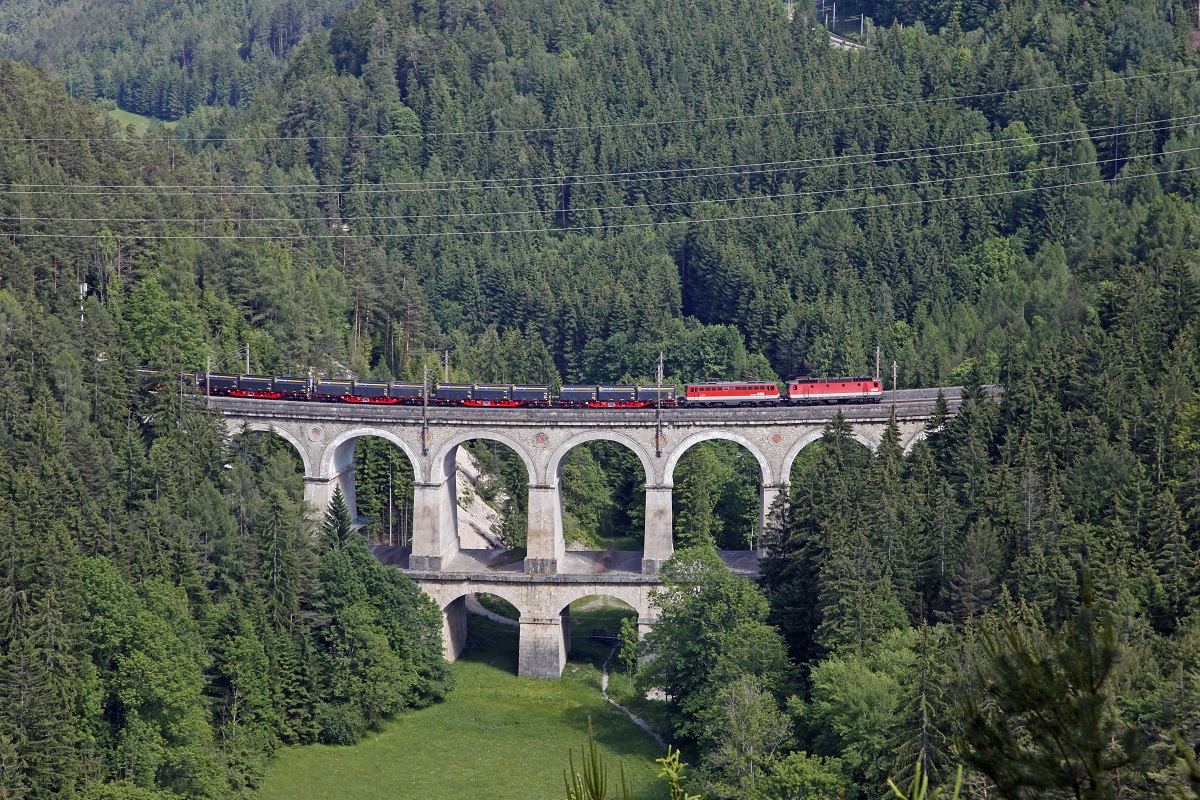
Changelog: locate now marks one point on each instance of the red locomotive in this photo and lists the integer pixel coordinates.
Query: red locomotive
(835, 390)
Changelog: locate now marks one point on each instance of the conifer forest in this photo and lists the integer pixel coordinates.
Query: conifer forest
(986, 192)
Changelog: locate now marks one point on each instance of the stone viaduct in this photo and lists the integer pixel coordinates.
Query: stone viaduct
(549, 578)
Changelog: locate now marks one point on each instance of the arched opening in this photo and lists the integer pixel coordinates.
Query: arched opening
(482, 627)
(383, 492)
(812, 463)
(718, 495)
(596, 624)
(494, 607)
(278, 439)
(603, 485)
(266, 493)
(266, 449)
(491, 492)
(493, 633)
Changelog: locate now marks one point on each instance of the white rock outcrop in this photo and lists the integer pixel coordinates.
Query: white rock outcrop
(478, 522)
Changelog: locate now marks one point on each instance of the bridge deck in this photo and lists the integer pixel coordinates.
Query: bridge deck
(907, 402)
(506, 565)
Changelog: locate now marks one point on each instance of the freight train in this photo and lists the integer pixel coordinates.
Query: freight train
(798, 391)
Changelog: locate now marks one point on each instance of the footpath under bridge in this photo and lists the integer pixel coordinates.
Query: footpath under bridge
(548, 578)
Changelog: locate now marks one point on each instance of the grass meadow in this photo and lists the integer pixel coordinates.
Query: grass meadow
(140, 124)
(496, 735)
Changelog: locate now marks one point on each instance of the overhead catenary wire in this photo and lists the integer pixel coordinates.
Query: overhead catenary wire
(988, 147)
(457, 184)
(918, 184)
(639, 123)
(611, 226)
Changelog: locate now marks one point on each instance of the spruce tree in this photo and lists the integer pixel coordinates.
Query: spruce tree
(337, 526)
(1043, 722)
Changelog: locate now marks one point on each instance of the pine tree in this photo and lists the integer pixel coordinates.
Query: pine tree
(337, 526)
(972, 587)
(1044, 720)
(926, 713)
(1175, 563)
(278, 564)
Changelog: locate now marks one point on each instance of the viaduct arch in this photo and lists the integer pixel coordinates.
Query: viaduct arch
(548, 578)
(543, 605)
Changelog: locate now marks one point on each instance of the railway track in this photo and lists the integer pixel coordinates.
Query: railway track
(907, 403)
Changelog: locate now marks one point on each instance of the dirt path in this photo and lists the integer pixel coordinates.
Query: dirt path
(475, 607)
(641, 723)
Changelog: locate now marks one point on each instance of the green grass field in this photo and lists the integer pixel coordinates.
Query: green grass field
(140, 124)
(496, 736)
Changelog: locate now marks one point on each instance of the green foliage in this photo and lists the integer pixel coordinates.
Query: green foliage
(122, 790)
(919, 790)
(800, 776)
(715, 497)
(710, 632)
(1057, 693)
(1189, 766)
(337, 526)
(745, 732)
(630, 648)
(672, 774)
(591, 781)
(855, 704)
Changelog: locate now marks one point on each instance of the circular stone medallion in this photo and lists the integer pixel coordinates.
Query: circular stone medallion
(541, 439)
(315, 433)
(777, 438)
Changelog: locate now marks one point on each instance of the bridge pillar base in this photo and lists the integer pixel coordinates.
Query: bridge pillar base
(543, 646)
(425, 563)
(541, 566)
(651, 566)
(454, 629)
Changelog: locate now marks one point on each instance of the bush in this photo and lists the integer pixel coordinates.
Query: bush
(340, 723)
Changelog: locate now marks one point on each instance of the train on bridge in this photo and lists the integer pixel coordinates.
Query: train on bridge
(711, 394)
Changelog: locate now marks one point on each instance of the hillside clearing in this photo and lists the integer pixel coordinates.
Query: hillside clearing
(496, 734)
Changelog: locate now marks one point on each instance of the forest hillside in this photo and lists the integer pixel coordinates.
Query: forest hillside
(991, 192)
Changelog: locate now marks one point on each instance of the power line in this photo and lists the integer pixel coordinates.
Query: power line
(618, 226)
(555, 211)
(640, 124)
(640, 176)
